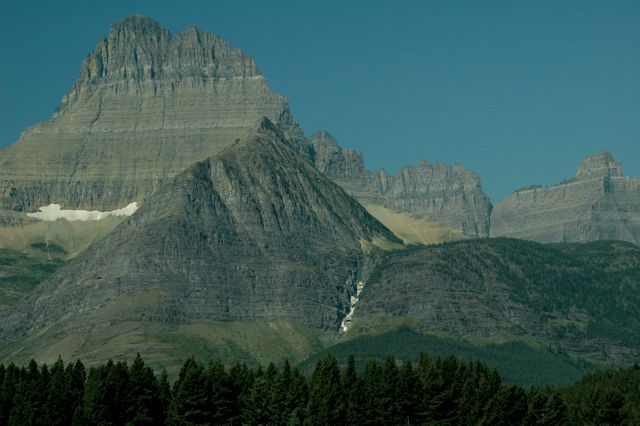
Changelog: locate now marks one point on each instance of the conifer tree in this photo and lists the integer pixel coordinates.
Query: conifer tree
(555, 411)
(257, 409)
(164, 393)
(60, 404)
(143, 407)
(389, 387)
(507, 407)
(221, 398)
(324, 406)
(409, 392)
(3, 416)
(240, 380)
(76, 377)
(190, 404)
(106, 394)
(30, 396)
(298, 398)
(8, 391)
(371, 405)
(349, 384)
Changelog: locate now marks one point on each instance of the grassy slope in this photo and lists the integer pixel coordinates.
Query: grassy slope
(20, 273)
(168, 346)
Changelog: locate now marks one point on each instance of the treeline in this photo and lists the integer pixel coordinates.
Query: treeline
(442, 392)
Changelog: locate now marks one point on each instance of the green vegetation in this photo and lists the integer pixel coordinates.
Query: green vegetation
(49, 248)
(20, 273)
(444, 391)
(582, 299)
(517, 362)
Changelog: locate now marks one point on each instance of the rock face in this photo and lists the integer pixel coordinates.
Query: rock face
(449, 199)
(599, 203)
(146, 105)
(254, 233)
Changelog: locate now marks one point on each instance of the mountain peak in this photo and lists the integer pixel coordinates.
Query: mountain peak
(323, 137)
(138, 51)
(146, 105)
(135, 22)
(600, 164)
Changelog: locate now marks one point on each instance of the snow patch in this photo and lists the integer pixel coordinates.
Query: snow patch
(53, 212)
(346, 322)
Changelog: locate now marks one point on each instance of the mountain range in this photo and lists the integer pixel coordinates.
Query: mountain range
(178, 209)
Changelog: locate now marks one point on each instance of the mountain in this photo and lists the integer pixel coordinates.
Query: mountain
(580, 299)
(427, 203)
(195, 231)
(146, 105)
(599, 203)
(252, 236)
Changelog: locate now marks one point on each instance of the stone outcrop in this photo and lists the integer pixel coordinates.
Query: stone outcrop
(599, 203)
(146, 105)
(253, 233)
(449, 201)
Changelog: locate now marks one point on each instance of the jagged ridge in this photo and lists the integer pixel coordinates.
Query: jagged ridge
(449, 199)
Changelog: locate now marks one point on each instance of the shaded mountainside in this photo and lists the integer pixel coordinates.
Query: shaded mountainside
(582, 299)
(254, 233)
(427, 203)
(599, 203)
(146, 105)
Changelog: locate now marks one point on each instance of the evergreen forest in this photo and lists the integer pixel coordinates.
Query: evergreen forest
(444, 391)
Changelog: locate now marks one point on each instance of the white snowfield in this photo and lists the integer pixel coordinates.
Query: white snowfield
(53, 212)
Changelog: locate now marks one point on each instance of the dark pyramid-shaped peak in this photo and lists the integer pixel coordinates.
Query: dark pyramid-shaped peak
(264, 157)
(253, 233)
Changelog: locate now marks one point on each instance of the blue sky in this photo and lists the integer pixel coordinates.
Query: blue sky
(518, 91)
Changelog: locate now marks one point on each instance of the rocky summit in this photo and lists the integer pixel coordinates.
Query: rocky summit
(427, 203)
(598, 203)
(146, 105)
(253, 233)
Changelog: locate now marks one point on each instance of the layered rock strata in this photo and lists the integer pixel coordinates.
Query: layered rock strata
(426, 203)
(146, 105)
(252, 233)
(599, 203)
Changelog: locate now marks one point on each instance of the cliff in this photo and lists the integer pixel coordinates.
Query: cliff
(145, 106)
(599, 203)
(427, 203)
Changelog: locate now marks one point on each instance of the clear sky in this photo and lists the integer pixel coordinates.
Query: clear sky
(518, 91)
